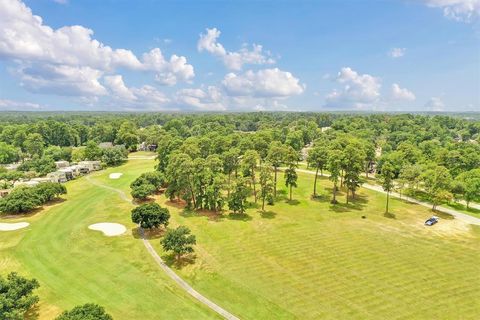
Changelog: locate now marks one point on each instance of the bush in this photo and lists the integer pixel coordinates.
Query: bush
(114, 156)
(87, 311)
(179, 240)
(42, 166)
(143, 191)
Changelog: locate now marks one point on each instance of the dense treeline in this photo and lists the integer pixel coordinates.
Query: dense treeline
(216, 160)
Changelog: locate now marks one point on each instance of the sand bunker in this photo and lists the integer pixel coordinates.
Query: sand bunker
(109, 229)
(13, 226)
(115, 175)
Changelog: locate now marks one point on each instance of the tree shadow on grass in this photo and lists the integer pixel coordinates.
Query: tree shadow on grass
(357, 204)
(179, 204)
(390, 215)
(321, 197)
(267, 214)
(443, 215)
(293, 202)
(154, 233)
(239, 217)
(142, 201)
(170, 260)
(32, 313)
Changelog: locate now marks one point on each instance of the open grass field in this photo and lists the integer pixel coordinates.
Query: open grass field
(303, 259)
(75, 265)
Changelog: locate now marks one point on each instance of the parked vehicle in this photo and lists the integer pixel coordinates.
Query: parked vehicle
(432, 221)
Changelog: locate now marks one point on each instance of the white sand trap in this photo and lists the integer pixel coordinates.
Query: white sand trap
(115, 175)
(109, 229)
(13, 226)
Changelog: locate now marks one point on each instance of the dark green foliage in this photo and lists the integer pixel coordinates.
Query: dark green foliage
(143, 191)
(147, 184)
(16, 296)
(179, 240)
(8, 153)
(25, 199)
(59, 153)
(87, 311)
(237, 202)
(150, 215)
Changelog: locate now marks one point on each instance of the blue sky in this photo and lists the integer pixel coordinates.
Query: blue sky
(421, 55)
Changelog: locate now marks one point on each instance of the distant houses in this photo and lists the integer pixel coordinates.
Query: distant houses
(147, 147)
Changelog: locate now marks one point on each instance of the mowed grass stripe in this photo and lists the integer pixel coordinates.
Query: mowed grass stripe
(75, 265)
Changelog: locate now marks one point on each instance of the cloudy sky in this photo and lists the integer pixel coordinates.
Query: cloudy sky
(395, 55)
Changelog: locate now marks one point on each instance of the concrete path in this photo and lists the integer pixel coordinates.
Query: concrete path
(182, 283)
(458, 215)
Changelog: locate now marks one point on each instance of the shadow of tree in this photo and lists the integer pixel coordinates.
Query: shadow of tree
(267, 214)
(293, 202)
(443, 215)
(354, 204)
(32, 313)
(239, 217)
(321, 197)
(390, 215)
(182, 261)
(155, 233)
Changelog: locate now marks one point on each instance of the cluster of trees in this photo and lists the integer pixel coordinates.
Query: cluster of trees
(24, 199)
(152, 216)
(147, 184)
(17, 297)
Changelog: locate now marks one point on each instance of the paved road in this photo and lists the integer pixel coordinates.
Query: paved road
(182, 283)
(458, 215)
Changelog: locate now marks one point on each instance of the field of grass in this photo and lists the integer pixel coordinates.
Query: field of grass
(303, 259)
(75, 265)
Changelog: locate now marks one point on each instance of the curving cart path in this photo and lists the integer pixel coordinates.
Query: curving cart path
(182, 283)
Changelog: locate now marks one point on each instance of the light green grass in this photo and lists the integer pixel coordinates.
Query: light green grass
(75, 265)
(310, 260)
(304, 259)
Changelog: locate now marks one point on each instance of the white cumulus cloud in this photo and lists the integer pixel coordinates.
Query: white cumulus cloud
(53, 55)
(399, 93)
(12, 105)
(263, 83)
(459, 10)
(233, 60)
(358, 91)
(207, 99)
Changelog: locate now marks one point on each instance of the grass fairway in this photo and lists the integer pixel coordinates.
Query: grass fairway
(75, 265)
(306, 259)
(303, 259)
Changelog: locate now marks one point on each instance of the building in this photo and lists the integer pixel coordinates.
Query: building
(61, 164)
(58, 176)
(78, 170)
(91, 165)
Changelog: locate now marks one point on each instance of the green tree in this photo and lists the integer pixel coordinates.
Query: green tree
(276, 156)
(8, 153)
(387, 179)
(114, 156)
(437, 181)
(150, 215)
(317, 158)
(16, 296)
(266, 185)
(20, 200)
(143, 191)
(470, 182)
(34, 144)
(93, 151)
(249, 163)
(179, 240)
(237, 202)
(334, 162)
(87, 311)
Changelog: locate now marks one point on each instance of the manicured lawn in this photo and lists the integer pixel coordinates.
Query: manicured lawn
(307, 259)
(303, 259)
(75, 265)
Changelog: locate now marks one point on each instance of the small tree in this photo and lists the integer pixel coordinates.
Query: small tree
(179, 240)
(237, 202)
(16, 296)
(266, 185)
(88, 311)
(142, 191)
(150, 215)
(334, 166)
(387, 176)
(317, 158)
(249, 163)
(291, 178)
(276, 156)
